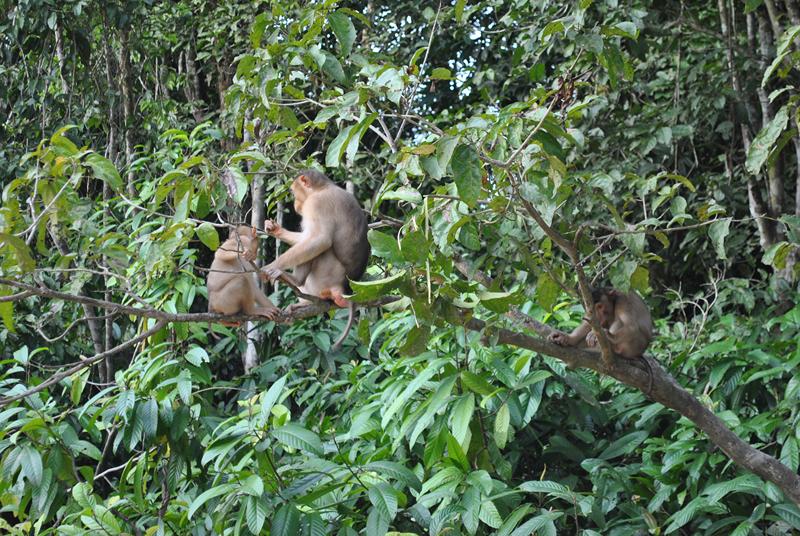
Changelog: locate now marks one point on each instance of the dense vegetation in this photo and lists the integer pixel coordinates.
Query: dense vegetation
(507, 151)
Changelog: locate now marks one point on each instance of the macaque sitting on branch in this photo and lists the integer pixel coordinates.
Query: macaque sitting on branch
(331, 248)
(625, 319)
(232, 279)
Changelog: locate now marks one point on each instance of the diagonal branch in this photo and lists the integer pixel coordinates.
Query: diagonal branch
(665, 390)
(54, 379)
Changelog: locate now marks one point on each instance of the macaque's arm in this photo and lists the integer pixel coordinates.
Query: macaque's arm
(315, 239)
(279, 232)
(573, 339)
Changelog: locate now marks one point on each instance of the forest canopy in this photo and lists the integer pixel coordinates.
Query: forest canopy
(509, 156)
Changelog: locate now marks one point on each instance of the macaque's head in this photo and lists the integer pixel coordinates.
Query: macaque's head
(604, 303)
(306, 182)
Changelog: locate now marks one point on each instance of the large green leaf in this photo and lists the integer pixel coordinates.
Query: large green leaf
(467, 173)
(344, 30)
(298, 437)
(765, 141)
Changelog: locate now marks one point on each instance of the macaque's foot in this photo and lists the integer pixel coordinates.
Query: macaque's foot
(558, 338)
(271, 313)
(336, 297)
(292, 307)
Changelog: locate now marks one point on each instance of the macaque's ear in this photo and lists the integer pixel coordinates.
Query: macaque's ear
(253, 232)
(303, 181)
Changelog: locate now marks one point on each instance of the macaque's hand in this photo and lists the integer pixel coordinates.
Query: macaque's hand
(591, 339)
(558, 338)
(270, 272)
(273, 228)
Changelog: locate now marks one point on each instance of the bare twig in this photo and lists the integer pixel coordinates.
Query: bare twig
(54, 379)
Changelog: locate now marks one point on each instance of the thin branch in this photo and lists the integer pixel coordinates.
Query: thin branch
(54, 379)
(16, 297)
(421, 68)
(299, 311)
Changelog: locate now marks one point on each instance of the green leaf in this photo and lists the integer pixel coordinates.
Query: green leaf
(384, 246)
(197, 355)
(147, 414)
(547, 291)
(298, 437)
(398, 402)
(476, 383)
(784, 47)
(31, 465)
(104, 170)
(535, 523)
(336, 148)
(207, 234)
(416, 341)
(717, 231)
(257, 31)
(467, 173)
(344, 30)
(788, 512)
(501, 424)
(545, 486)
(78, 383)
(471, 503)
(253, 485)
(7, 314)
(396, 471)
(371, 290)
(415, 247)
(255, 514)
(404, 193)
(462, 416)
(269, 398)
(286, 521)
(624, 445)
(459, 10)
(209, 494)
(764, 141)
(384, 498)
(21, 251)
(440, 73)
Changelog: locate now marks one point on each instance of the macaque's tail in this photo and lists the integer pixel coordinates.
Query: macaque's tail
(351, 314)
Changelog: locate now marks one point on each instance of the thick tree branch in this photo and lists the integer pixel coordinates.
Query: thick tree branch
(666, 391)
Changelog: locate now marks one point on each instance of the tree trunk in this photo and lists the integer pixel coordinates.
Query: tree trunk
(62, 59)
(107, 369)
(254, 337)
(755, 203)
(192, 88)
(127, 104)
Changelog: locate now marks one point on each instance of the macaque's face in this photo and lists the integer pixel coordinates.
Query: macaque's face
(604, 310)
(300, 190)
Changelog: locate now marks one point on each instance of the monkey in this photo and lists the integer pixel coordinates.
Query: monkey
(232, 281)
(626, 321)
(331, 247)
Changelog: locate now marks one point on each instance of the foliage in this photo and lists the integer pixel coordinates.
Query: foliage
(448, 121)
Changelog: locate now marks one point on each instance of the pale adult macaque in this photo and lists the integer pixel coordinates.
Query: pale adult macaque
(232, 279)
(331, 247)
(625, 319)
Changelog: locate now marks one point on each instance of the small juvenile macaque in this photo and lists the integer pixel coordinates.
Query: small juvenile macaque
(232, 279)
(625, 319)
(331, 247)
